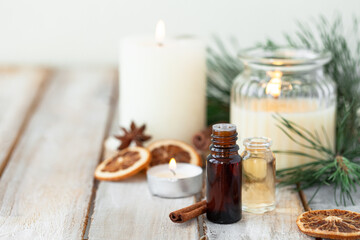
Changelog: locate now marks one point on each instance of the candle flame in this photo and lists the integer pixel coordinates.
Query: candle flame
(172, 164)
(279, 63)
(160, 32)
(274, 85)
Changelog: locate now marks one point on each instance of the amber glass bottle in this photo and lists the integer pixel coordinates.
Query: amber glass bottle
(223, 182)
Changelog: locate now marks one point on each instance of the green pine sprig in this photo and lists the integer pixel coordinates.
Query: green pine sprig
(341, 167)
(340, 171)
(223, 66)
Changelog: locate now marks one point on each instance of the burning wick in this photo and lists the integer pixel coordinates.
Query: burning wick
(172, 166)
(160, 32)
(274, 86)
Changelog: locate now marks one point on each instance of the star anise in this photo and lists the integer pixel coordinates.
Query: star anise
(134, 134)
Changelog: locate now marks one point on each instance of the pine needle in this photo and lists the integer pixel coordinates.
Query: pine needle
(339, 168)
(223, 67)
(330, 168)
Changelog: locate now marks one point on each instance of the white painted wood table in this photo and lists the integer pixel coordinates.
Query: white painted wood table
(52, 126)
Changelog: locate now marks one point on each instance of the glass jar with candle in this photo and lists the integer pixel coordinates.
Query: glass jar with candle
(291, 83)
(258, 175)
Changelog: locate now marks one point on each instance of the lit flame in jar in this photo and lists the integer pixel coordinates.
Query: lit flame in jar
(273, 87)
(160, 32)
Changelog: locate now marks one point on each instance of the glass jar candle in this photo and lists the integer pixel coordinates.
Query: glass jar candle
(258, 175)
(291, 83)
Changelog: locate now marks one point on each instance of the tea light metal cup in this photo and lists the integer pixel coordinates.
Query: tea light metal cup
(183, 181)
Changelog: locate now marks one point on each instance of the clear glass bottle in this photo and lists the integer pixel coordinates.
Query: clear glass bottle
(259, 175)
(289, 82)
(223, 179)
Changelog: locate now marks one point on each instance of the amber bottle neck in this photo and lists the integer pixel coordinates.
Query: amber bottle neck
(224, 144)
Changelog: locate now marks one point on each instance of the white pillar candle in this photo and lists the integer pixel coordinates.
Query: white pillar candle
(163, 84)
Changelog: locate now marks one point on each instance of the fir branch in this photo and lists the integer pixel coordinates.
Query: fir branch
(223, 66)
(341, 171)
(344, 69)
(340, 167)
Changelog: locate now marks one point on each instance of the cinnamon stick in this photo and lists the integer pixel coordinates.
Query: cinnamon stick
(187, 213)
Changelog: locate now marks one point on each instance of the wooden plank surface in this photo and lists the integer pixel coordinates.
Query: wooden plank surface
(127, 210)
(278, 224)
(324, 199)
(46, 188)
(52, 150)
(20, 89)
(122, 208)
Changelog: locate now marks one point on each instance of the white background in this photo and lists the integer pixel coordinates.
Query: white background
(73, 32)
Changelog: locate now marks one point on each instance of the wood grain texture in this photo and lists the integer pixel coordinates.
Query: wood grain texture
(324, 199)
(278, 224)
(20, 89)
(46, 187)
(127, 210)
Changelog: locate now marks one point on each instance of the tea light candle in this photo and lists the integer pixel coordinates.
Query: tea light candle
(174, 180)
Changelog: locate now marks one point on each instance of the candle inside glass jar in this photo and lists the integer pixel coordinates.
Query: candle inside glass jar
(293, 84)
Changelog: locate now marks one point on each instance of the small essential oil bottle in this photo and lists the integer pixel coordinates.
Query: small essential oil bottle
(223, 182)
(259, 175)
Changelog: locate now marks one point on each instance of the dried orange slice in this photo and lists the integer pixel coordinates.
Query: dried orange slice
(163, 150)
(333, 224)
(124, 164)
